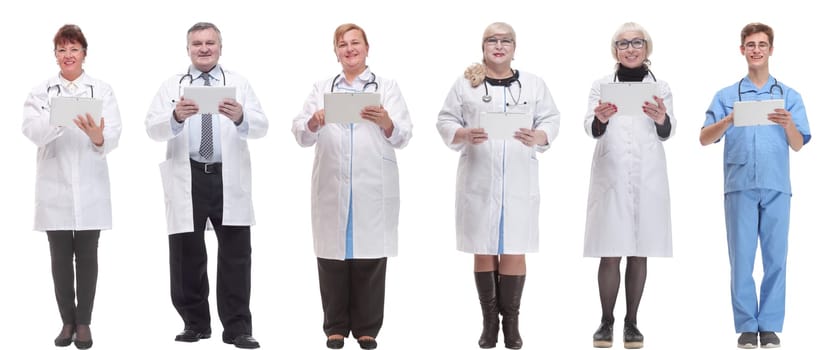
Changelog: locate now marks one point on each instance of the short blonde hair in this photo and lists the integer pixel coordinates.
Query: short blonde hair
(632, 27)
(498, 28)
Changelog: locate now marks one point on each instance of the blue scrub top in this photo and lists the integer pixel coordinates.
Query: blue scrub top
(757, 157)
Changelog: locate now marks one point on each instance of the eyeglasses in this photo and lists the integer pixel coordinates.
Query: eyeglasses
(762, 45)
(492, 41)
(71, 52)
(637, 43)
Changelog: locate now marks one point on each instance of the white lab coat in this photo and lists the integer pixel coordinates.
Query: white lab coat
(355, 159)
(72, 187)
(497, 175)
(176, 169)
(628, 207)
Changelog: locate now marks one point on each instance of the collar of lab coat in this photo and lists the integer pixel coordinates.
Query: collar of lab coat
(362, 78)
(82, 82)
(215, 73)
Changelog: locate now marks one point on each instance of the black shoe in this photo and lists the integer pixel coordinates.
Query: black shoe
(83, 344)
(62, 341)
(748, 340)
(769, 340)
(603, 338)
(633, 338)
(335, 343)
(190, 335)
(367, 343)
(243, 341)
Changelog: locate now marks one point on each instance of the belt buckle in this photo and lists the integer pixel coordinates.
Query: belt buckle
(207, 168)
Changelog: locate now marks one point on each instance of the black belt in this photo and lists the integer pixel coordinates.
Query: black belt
(207, 168)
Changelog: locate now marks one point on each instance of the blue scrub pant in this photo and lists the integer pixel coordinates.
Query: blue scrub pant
(749, 215)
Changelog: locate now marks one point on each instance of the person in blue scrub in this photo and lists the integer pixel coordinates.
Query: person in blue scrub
(756, 167)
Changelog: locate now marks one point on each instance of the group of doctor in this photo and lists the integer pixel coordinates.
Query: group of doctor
(206, 178)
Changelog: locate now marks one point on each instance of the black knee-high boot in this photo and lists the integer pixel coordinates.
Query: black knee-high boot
(487, 291)
(510, 289)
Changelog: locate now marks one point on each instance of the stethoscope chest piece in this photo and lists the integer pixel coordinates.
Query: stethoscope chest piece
(487, 98)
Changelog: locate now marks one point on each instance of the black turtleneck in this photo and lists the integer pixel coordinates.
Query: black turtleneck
(632, 74)
(504, 81)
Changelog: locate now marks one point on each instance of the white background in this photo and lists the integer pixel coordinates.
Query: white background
(431, 299)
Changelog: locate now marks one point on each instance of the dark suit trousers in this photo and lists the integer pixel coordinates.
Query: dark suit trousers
(353, 295)
(63, 245)
(188, 259)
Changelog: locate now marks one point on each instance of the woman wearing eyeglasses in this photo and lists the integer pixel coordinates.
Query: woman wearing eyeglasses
(355, 190)
(628, 209)
(497, 177)
(72, 193)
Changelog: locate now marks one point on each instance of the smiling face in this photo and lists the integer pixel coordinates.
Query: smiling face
(498, 49)
(757, 49)
(205, 48)
(630, 57)
(351, 50)
(70, 57)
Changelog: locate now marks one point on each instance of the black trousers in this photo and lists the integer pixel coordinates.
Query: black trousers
(83, 245)
(188, 259)
(353, 295)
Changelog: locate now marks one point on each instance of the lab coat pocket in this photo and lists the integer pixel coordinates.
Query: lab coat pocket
(48, 189)
(177, 193)
(390, 177)
(533, 178)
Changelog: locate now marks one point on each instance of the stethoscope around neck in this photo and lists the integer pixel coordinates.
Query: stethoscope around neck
(506, 83)
(58, 88)
(372, 82)
(770, 89)
(191, 77)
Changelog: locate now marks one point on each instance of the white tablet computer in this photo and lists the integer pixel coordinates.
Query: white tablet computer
(629, 97)
(344, 107)
(208, 98)
(751, 113)
(503, 125)
(64, 109)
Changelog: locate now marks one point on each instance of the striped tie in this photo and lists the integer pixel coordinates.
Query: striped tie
(206, 142)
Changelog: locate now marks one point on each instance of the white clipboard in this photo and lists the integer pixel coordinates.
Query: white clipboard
(629, 97)
(63, 110)
(208, 98)
(503, 125)
(752, 113)
(345, 107)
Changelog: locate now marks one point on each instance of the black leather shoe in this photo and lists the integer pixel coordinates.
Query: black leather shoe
(190, 335)
(633, 338)
(335, 343)
(367, 343)
(62, 341)
(243, 341)
(83, 344)
(603, 338)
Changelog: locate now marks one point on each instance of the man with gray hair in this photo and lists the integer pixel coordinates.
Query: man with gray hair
(207, 182)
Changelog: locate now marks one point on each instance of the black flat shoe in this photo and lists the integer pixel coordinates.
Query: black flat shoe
(65, 341)
(367, 343)
(632, 336)
(243, 341)
(83, 344)
(603, 338)
(190, 335)
(335, 343)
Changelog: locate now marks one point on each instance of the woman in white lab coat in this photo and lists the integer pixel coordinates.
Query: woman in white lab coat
(355, 191)
(72, 193)
(628, 209)
(497, 179)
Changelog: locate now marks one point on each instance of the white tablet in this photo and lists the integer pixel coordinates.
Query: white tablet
(64, 109)
(503, 125)
(629, 97)
(208, 98)
(751, 113)
(345, 107)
